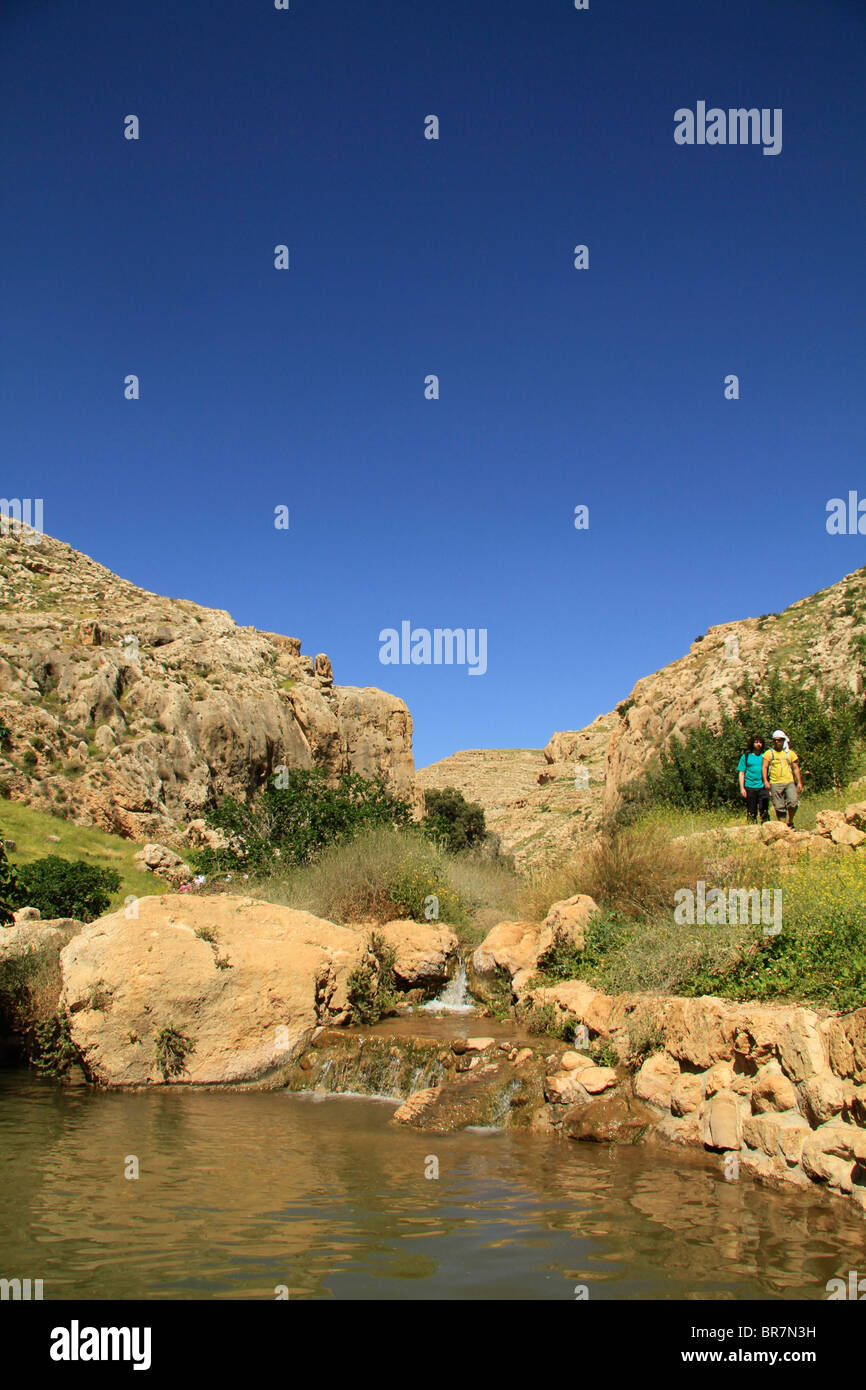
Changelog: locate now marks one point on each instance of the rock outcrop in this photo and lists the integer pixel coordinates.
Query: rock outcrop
(135, 712)
(229, 989)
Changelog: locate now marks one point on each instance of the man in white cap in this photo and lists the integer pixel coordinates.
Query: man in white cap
(780, 767)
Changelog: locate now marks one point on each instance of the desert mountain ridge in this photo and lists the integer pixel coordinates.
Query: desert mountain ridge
(134, 712)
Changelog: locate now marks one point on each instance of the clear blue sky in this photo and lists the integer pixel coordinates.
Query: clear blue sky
(558, 387)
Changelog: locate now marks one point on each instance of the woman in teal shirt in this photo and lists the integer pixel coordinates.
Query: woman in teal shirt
(752, 787)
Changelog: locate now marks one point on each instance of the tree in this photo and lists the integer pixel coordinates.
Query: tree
(65, 887)
(700, 770)
(450, 817)
(300, 819)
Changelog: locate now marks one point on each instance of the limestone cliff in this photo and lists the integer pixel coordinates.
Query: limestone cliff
(134, 712)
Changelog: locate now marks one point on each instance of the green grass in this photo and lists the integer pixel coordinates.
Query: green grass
(30, 829)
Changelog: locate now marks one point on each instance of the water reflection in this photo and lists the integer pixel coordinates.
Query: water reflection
(240, 1193)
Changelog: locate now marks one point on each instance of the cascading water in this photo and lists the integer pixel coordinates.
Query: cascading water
(455, 997)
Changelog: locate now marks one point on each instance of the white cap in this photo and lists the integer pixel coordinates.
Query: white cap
(780, 733)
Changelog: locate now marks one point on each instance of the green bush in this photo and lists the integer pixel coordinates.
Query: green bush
(8, 889)
(52, 1050)
(561, 961)
(700, 770)
(65, 887)
(300, 819)
(371, 986)
(450, 817)
(172, 1050)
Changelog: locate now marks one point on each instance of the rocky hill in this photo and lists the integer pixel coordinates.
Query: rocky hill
(133, 712)
(544, 802)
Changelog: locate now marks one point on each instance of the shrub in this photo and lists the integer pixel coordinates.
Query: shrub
(5, 733)
(371, 986)
(8, 889)
(172, 1050)
(377, 875)
(300, 819)
(65, 887)
(52, 1050)
(700, 770)
(634, 871)
(451, 818)
(561, 961)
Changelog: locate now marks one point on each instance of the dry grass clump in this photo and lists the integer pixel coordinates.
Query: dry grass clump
(634, 871)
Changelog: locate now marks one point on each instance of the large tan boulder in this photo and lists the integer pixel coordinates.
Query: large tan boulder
(822, 1098)
(516, 947)
(773, 1091)
(159, 859)
(567, 919)
(248, 999)
(591, 1007)
(686, 1093)
(509, 947)
(654, 1082)
(855, 814)
(423, 952)
(845, 834)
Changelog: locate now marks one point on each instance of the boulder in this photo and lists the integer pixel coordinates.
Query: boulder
(773, 1091)
(845, 834)
(721, 1122)
(800, 1046)
(248, 1000)
(775, 1134)
(718, 1078)
(423, 952)
(855, 814)
(508, 947)
(26, 914)
(619, 1119)
(846, 1044)
(575, 1061)
(159, 859)
(564, 1088)
(567, 918)
(826, 821)
(686, 1093)
(700, 1031)
(597, 1079)
(654, 1082)
(822, 1165)
(822, 1098)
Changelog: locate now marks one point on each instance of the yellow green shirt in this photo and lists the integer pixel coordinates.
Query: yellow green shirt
(781, 765)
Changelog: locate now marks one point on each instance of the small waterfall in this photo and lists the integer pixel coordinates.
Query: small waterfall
(455, 997)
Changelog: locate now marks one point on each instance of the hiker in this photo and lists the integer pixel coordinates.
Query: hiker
(752, 789)
(780, 767)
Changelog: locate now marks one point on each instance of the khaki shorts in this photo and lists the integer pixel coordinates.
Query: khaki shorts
(784, 796)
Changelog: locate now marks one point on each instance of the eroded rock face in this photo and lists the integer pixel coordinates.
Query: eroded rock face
(248, 999)
(142, 718)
